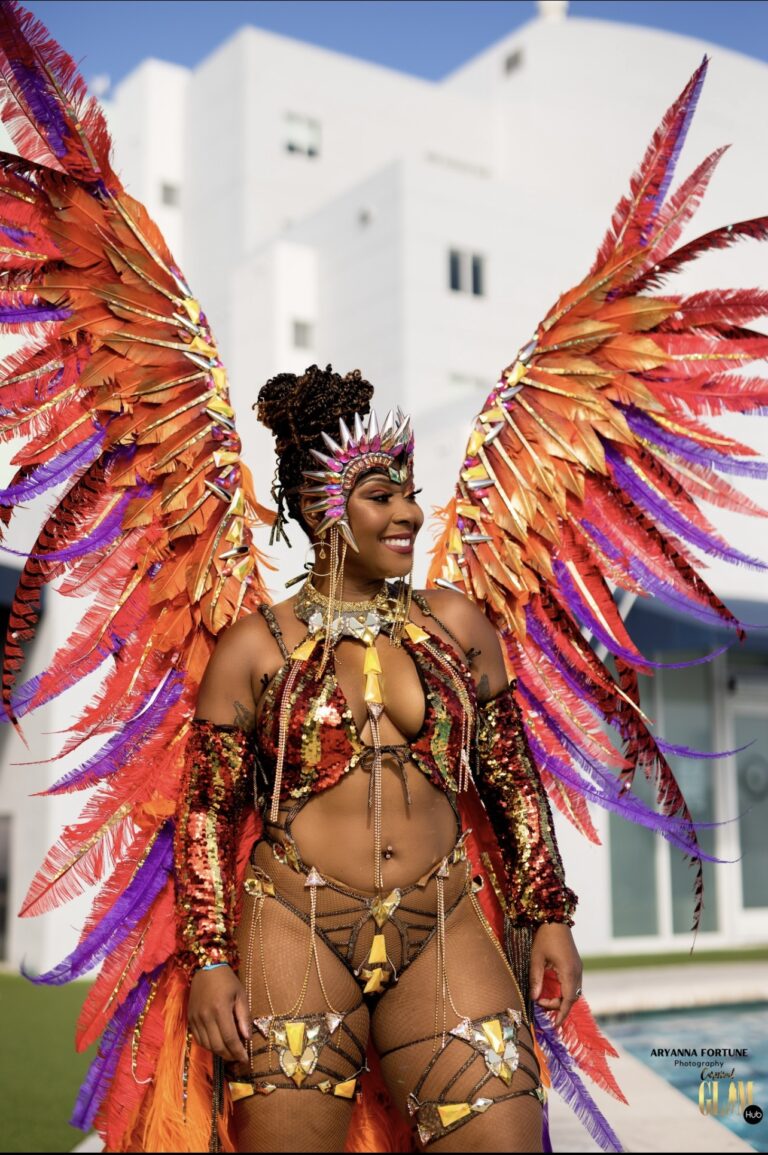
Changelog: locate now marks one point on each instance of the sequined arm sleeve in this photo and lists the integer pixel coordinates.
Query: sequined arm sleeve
(517, 805)
(217, 772)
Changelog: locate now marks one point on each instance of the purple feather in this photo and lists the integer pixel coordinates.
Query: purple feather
(17, 235)
(130, 908)
(578, 682)
(57, 470)
(569, 1085)
(22, 698)
(583, 614)
(662, 511)
(656, 586)
(126, 742)
(105, 533)
(546, 1138)
(644, 426)
(102, 1069)
(30, 314)
(44, 107)
(688, 752)
(607, 790)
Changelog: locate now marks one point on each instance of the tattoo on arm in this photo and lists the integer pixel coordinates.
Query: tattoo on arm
(483, 689)
(244, 718)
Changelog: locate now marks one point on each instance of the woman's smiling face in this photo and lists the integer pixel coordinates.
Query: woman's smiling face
(385, 518)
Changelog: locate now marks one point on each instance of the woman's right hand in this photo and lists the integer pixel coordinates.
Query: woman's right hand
(219, 1016)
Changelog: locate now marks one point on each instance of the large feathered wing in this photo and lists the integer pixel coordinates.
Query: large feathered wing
(585, 474)
(122, 403)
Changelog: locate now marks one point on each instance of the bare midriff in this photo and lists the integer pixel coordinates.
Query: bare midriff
(334, 830)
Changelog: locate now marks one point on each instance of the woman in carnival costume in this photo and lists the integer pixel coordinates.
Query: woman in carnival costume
(332, 913)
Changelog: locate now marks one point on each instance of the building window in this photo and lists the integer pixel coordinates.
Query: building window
(5, 867)
(302, 335)
(466, 273)
(170, 194)
(302, 134)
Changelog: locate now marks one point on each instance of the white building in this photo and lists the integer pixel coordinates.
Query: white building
(327, 209)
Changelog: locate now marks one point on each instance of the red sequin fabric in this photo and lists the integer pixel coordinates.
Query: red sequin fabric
(219, 764)
(322, 741)
(517, 805)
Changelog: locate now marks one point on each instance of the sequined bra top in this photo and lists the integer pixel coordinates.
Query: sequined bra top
(322, 741)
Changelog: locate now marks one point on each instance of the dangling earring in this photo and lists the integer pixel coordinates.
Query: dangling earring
(309, 566)
(335, 588)
(321, 553)
(402, 607)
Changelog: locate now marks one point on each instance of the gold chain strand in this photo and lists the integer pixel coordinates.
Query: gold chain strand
(255, 915)
(374, 711)
(285, 710)
(312, 917)
(488, 930)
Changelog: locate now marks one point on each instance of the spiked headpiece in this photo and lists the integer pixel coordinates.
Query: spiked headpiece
(363, 448)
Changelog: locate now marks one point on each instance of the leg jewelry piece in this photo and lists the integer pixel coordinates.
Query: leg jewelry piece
(497, 1040)
(299, 1042)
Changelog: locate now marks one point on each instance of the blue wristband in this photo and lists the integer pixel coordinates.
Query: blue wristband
(212, 966)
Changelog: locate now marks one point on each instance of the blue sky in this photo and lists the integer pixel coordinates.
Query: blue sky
(428, 38)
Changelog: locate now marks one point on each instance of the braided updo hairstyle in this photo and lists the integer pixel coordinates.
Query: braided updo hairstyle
(297, 410)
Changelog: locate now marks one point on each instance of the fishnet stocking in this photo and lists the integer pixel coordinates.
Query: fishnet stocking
(404, 1021)
(481, 985)
(295, 1120)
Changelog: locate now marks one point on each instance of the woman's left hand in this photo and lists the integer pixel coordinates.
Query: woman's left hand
(553, 946)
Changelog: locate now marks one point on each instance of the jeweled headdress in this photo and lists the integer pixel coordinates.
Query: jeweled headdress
(366, 447)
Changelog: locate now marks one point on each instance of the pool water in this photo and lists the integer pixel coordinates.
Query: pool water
(702, 1030)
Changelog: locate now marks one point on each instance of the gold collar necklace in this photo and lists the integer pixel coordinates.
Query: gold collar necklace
(355, 619)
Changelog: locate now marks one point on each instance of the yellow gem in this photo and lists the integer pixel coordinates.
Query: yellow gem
(219, 378)
(298, 1076)
(371, 664)
(505, 1074)
(198, 345)
(295, 1033)
(455, 544)
(450, 1113)
(452, 571)
(345, 1090)
(376, 980)
(382, 908)
(243, 568)
(494, 414)
(475, 441)
(378, 950)
(219, 405)
(193, 312)
(240, 1091)
(415, 633)
(372, 688)
(475, 473)
(325, 1086)
(303, 650)
(493, 1033)
(237, 504)
(516, 373)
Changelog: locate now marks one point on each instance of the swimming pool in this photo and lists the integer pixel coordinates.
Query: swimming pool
(703, 1031)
